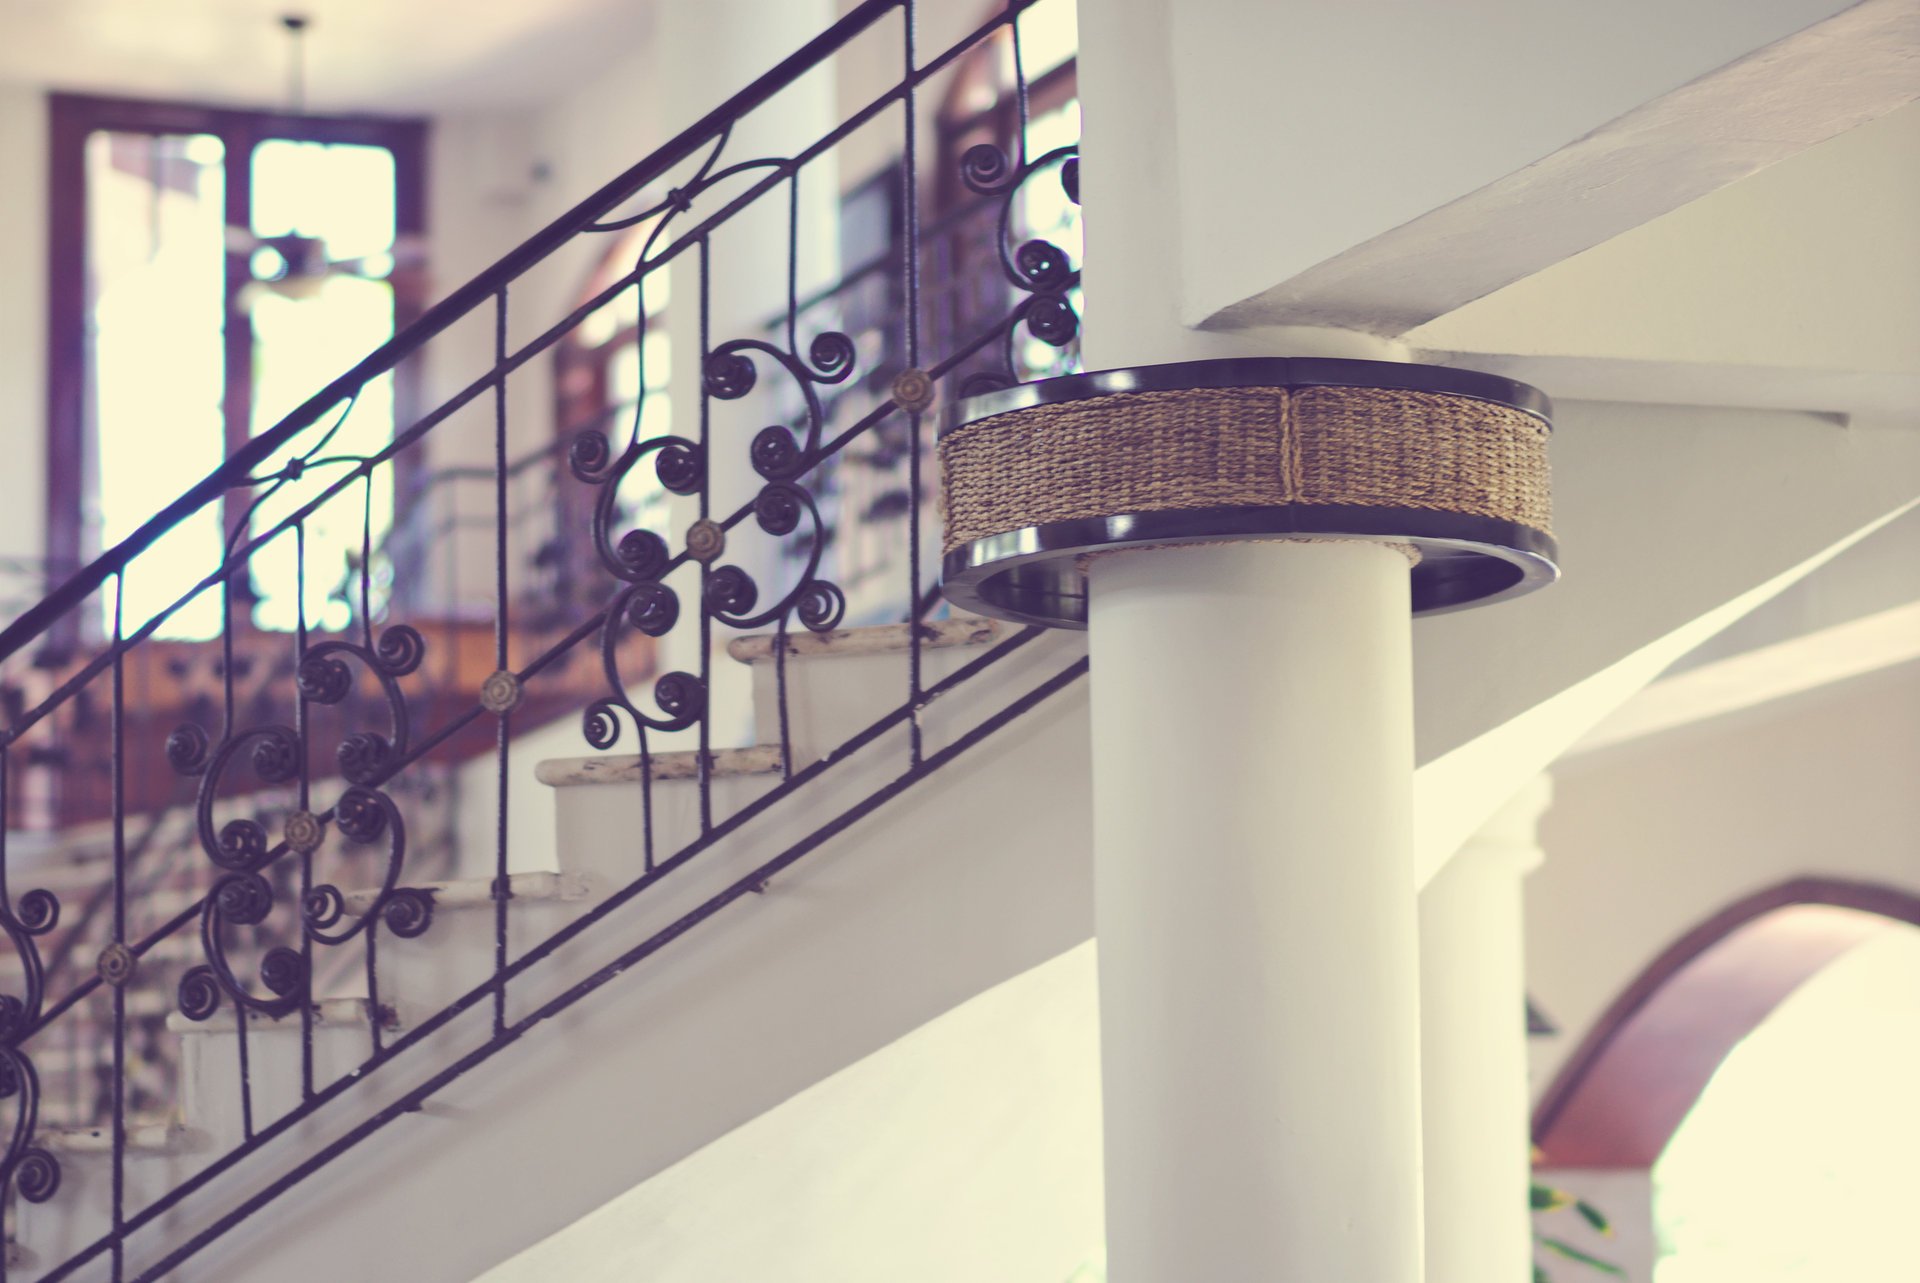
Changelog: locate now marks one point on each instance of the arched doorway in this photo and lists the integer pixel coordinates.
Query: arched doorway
(1625, 1089)
(1724, 1063)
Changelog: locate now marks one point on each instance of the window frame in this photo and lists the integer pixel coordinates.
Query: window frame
(70, 435)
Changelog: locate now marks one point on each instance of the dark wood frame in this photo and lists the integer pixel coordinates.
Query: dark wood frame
(72, 119)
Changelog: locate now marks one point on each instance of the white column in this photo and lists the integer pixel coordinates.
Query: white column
(1474, 1051)
(1253, 769)
(1255, 908)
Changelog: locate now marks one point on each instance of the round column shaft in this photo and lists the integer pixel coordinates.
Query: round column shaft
(1474, 1052)
(1255, 908)
(1236, 537)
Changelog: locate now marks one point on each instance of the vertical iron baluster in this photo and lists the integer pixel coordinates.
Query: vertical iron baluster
(373, 982)
(9, 1233)
(305, 802)
(911, 267)
(780, 688)
(793, 263)
(646, 801)
(119, 1218)
(503, 721)
(1014, 9)
(706, 494)
(366, 557)
(246, 1070)
(793, 346)
(366, 636)
(208, 925)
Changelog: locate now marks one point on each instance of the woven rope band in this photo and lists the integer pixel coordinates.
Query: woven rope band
(1141, 452)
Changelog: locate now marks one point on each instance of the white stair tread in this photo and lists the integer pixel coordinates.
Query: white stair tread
(143, 1137)
(624, 768)
(474, 892)
(327, 1012)
(967, 630)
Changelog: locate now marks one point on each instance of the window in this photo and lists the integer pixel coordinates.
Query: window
(1794, 1164)
(210, 270)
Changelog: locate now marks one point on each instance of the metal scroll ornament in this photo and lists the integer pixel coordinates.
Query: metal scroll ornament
(242, 895)
(1038, 269)
(26, 1168)
(640, 560)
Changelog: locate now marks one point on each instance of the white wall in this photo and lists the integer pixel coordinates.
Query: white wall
(1812, 263)
(23, 311)
(1380, 113)
(967, 1151)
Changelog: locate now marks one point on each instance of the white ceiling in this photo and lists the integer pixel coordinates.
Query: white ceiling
(400, 56)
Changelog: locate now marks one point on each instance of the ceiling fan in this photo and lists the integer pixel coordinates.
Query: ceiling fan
(296, 266)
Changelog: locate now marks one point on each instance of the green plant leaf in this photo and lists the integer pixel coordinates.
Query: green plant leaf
(1540, 1274)
(1593, 1216)
(1545, 1198)
(1560, 1247)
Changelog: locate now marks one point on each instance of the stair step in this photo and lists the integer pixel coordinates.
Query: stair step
(970, 630)
(342, 1012)
(156, 1136)
(470, 893)
(624, 768)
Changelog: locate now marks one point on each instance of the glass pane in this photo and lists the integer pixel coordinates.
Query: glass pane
(658, 357)
(301, 344)
(155, 260)
(306, 334)
(623, 375)
(605, 322)
(342, 193)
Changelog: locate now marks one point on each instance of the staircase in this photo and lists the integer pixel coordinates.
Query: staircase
(823, 858)
(704, 846)
(355, 908)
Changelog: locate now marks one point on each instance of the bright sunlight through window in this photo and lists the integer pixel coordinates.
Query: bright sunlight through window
(1797, 1164)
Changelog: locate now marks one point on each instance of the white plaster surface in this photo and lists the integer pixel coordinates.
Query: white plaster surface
(1255, 904)
(968, 1150)
(1473, 1050)
(1430, 115)
(1809, 265)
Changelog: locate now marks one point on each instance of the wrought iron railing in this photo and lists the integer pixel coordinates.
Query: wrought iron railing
(288, 783)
